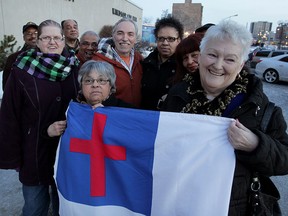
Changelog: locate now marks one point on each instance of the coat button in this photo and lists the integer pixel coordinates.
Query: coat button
(58, 99)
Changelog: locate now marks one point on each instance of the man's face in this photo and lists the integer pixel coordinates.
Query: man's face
(30, 36)
(124, 38)
(71, 30)
(88, 46)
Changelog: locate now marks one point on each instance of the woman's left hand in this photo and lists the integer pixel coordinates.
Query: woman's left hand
(57, 128)
(241, 137)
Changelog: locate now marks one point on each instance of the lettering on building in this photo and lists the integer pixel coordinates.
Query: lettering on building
(123, 14)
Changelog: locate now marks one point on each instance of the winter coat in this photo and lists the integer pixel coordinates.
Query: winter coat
(270, 158)
(157, 79)
(28, 107)
(128, 86)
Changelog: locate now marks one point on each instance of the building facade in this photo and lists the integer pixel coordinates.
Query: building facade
(190, 14)
(258, 29)
(90, 14)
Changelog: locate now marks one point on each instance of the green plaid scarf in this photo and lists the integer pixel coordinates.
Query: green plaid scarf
(53, 67)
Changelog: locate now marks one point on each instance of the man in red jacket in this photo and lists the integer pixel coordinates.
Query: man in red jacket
(119, 52)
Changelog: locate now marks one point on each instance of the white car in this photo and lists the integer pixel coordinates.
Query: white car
(273, 69)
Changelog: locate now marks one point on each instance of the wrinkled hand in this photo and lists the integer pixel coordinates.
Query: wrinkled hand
(57, 128)
(241, 137)
(97, 105)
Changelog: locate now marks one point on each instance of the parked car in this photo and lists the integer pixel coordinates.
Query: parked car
(273, 69)
(265, 54)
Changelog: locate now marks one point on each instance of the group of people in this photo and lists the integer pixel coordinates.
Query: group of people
(203, 74)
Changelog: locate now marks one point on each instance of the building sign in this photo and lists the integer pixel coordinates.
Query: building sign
(123, 14)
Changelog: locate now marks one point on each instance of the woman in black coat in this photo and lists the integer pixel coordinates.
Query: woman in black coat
(222, 87)
(41, 84)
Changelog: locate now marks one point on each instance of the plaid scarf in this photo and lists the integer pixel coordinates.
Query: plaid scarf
(53, 67)
(106, 48)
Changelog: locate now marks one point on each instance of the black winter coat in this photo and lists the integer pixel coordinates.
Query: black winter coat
(156, 80)
(28, 107)
(270, 158)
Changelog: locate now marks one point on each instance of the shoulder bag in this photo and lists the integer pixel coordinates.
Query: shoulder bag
(264, 195)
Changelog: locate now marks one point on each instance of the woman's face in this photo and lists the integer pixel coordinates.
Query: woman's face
(95, 88)
(190, 61)
(166, 48)
(51, 41)
(219, 64)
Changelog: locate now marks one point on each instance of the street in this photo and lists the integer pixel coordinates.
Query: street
(11, 200)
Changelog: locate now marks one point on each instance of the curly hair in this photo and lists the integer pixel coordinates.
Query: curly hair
(169, 22)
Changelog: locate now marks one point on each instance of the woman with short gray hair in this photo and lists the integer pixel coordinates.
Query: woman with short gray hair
(97, 82)
(222, 86)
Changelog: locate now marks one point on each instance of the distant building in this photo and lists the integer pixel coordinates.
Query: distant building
(148, 33)
(90, 14)
(282, 35)
(258, 29)
(190, 14)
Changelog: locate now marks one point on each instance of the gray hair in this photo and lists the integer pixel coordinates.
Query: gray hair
(49, 23)
(102, 68)
(125, 19)
(229, 30)
(89, 33)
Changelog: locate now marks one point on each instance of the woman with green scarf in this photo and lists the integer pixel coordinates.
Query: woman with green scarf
(32, 115)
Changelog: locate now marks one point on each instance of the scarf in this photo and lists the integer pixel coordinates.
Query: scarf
(199, 103)
(53, 67)
(106, 48)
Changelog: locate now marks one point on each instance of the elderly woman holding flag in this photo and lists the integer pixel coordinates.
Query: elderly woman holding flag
(223, 87)
(97, 85)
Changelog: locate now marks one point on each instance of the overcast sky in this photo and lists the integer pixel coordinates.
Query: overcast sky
(213, 11)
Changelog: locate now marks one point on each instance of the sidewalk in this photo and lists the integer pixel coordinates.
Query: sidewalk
(11, 199)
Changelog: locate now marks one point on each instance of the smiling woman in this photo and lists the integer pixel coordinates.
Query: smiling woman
(41, 84)
(222, 86)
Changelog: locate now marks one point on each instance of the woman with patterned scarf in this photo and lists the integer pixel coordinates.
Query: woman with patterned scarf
(222, 87)
(32, 115)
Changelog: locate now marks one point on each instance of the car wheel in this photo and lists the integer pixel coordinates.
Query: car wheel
(271, 76)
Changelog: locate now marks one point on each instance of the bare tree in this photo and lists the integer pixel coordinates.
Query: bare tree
(106, 31)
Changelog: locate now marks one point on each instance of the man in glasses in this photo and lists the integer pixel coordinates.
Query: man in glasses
(88, 46)
(30, 32)
(160, 66)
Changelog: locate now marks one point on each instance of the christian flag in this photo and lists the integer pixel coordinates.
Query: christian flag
(125, 162)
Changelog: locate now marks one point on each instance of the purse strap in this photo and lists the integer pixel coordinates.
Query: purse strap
(255, 186)
(267, 116)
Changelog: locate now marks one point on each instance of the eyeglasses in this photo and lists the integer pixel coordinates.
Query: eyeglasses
(31, 34)
(87, 44)
(90, 81)
(168, 39)
(46, 39)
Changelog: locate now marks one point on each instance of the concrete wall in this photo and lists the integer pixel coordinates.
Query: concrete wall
(90, 14)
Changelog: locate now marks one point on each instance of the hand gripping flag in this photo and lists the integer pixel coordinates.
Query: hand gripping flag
(125, 162)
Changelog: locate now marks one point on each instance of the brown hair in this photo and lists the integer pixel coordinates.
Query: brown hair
(48, 23)
(187, 45)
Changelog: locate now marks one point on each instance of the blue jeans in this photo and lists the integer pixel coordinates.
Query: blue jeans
(37, 200)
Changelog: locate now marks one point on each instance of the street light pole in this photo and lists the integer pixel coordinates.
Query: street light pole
(231, 16)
